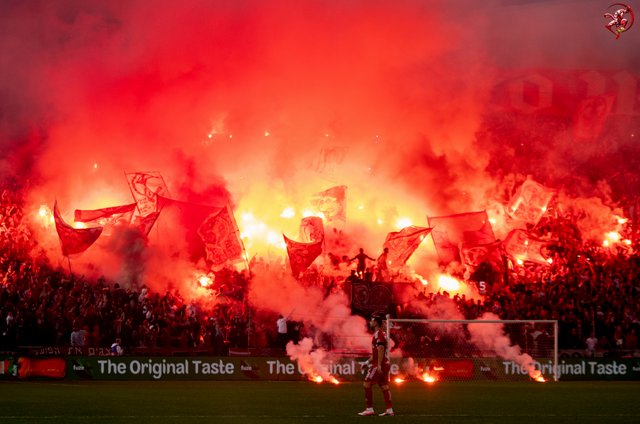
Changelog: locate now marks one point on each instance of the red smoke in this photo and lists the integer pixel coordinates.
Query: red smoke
(263, 103)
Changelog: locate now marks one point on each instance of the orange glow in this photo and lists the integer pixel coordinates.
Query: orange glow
(403, 223)
(288, 213)
(420, 278)
(318, 379)
(428, 378)
(399, 380)
(205, 281)
(448, 283)
(45, 216)
(79, 225)
(537, 376)
(613, 236)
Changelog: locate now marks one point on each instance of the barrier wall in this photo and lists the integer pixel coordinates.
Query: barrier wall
(283, 369)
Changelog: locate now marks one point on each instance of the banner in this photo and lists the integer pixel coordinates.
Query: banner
(591, 116)
(521, 246)
(530, 202)
(221, 237)
(450, 231)
(108, 218)
(95, 214)
(403, 243)
(332, 203)
(301, 255)
(343, 367)
(145, 223)
(371, 298)
(562, 92)
(311, 229)
(73, 240)
(25, 368)
(145, 188)
(473, 255)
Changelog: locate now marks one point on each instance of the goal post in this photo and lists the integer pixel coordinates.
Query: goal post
(460, 350)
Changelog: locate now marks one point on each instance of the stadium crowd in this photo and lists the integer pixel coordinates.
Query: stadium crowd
(589, 289)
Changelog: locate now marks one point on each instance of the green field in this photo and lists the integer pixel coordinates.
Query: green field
(305, 402)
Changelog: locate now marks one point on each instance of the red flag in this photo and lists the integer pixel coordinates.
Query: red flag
(473, 255)
(530, 202)
(311, 229)
(452, 230)
(145, 189)
(91, 215)
(301, 255)
(403, 243)
(145, 223)
(74, 240)
(332, 203)
(220, 235)
(108, 218)
(522, 246)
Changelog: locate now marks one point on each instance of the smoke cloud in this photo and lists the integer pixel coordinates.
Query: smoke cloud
(260, 104)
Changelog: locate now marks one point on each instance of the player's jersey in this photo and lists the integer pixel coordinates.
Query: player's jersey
(379, 339)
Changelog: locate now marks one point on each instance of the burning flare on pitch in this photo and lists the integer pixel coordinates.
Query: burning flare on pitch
(311, 362)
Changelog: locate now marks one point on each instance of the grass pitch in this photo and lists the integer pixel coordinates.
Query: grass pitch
(189, 402)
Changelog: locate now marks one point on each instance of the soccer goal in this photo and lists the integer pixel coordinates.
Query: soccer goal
(457, 350)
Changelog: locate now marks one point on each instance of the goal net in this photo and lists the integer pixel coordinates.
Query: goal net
(457, 350)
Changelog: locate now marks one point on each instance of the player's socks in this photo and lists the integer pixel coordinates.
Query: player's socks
(368, 396)
(387, 398)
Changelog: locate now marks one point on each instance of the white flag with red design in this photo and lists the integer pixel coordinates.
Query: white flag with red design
(145, 188)
(332, 203)
(221, 237)
(520, 245)
(403, 243)
(530, 202)
(450, 231)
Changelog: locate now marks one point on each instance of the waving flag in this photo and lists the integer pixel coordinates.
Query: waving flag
(301, 255)
(473, 255)
(403, 243)
(450, 231)
(74, 240)
(311, 229)
(332, 203)
(95, 214)
(220, 234)
(145, 188)
(530, 202)
(145, 223)
(107, 217)
(520, 245)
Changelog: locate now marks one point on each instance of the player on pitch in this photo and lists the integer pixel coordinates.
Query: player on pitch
(378, 372)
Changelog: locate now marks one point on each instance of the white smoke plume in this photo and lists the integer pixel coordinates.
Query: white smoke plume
(313, 362)
(490, 337)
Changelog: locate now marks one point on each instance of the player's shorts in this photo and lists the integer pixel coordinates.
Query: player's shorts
(379, 376)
